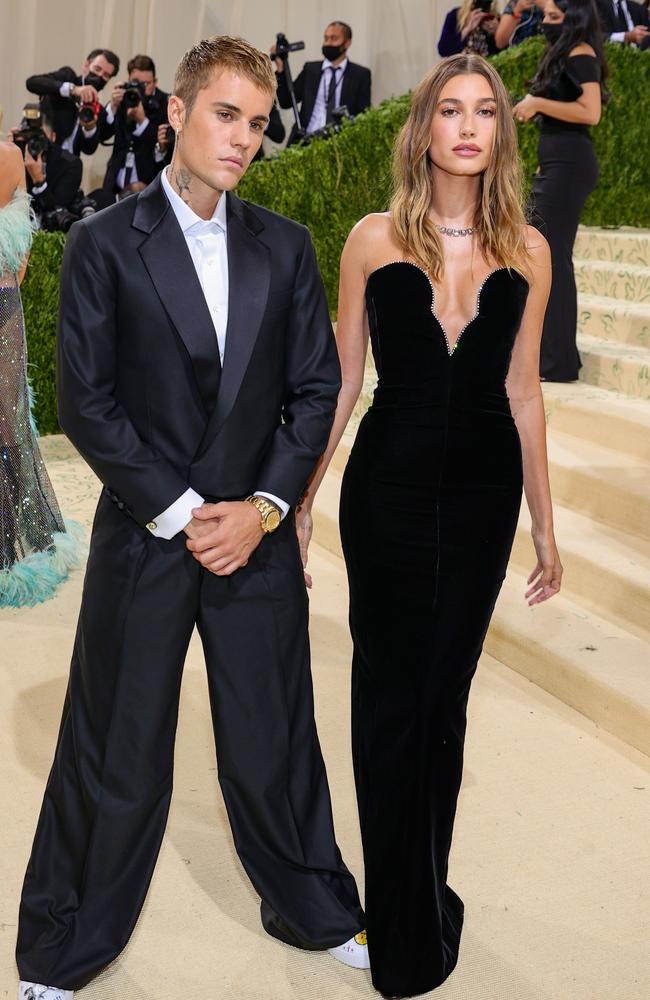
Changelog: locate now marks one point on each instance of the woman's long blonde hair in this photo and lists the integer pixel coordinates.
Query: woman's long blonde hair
(465, 11)
(500, 219)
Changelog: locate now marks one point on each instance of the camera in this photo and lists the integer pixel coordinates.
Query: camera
(484, 5)
(134, 93)
(339, 115)
(284, 47)
(30, 135)
(58, 220)
(89, 112)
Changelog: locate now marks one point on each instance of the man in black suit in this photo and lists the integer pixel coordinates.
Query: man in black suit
(323, 86)
(68, 90)
(134, 127)
(198, 376)
(625, 21)
(53, 176)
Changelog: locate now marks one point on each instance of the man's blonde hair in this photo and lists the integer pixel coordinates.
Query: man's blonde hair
(221, 52)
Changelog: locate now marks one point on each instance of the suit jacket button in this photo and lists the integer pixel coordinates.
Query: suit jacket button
(152, 525)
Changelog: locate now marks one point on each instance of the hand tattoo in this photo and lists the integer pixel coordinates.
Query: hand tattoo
(183, 178)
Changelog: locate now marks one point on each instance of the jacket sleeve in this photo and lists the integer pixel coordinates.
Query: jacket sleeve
(364, 91)
(450, 41)
(284, 97)
(313, 380)
(50, 83)
(89, 411)
(61, 192)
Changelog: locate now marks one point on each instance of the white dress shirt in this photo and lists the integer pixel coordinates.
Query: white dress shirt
(619, 36)
(207, 242)
(130, 156)
(319, 114)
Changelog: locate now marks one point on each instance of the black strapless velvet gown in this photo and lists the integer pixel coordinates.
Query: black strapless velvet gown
(429, 506)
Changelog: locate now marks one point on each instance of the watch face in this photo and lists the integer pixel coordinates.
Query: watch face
(272, 520)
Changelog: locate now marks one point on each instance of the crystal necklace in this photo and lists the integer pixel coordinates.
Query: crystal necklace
(450, 231)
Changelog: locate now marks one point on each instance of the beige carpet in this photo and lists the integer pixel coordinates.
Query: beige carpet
(551, 852)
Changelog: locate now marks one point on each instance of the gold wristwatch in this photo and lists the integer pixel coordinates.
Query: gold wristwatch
(271, 516)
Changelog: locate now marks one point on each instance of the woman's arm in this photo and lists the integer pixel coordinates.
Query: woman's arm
(586, 110)
(509, 21)
(527, 404)
(352, 343)
(12, 176)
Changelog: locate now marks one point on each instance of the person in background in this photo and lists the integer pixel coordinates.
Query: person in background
(36, 549)
(625, 21)
(470, 28)
(53, 175)
(323, 86)
(135, 128)
(68, 90)
(567, 92)
(521, 19)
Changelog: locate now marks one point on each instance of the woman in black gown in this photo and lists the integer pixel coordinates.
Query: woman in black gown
(567, 93)
(450, 286)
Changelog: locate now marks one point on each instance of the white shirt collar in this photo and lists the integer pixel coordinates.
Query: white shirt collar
(186, 217)
(326, 64)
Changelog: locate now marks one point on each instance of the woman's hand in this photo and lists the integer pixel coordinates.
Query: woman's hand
(526, 109)
(304, 530)
(475, 19)
(545, 580)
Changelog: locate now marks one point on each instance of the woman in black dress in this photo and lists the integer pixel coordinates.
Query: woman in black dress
(450, 286)
(567, 93)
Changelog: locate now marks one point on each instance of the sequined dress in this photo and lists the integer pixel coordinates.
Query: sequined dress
(38, 549)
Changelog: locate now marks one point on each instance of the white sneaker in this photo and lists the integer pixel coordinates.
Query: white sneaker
(354, 952)
(35, 991)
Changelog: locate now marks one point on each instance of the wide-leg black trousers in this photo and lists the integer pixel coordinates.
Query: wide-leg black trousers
(108, 794)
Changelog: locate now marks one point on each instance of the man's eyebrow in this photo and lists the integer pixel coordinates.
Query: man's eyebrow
(233, 107)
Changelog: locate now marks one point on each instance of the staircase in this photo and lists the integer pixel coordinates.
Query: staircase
(590, 646)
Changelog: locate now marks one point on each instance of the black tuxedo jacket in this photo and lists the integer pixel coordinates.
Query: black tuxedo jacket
(611, 23)
(63, 175)
(143, 145)
(140, 388)
(355, 91)
(64, 109)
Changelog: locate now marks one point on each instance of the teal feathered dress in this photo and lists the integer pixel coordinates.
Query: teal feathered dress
(37, 549)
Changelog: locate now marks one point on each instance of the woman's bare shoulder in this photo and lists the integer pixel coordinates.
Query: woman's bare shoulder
(12, 170)
(372, 241)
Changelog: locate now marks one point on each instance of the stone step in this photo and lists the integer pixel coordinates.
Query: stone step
(608, 364)
(590, 663)
(584, 660)
(609, 486)
(613, 279)
(586, 411)
(605, 570)
(625, 244)
(615, 320)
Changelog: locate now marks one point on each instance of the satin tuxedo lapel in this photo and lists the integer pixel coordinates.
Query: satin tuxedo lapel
(249, 277)
(171, 269)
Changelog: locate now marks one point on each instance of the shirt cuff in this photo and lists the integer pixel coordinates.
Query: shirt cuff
(65, 88)
(158, 155)
(618, 36)
(39, 188)
(174, 519)
(284, 507)
(139, 129)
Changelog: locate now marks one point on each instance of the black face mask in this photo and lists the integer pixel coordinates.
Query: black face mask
(552, 32)
(93, 80)
(332, 52)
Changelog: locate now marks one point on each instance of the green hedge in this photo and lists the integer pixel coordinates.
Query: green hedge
(330, 185)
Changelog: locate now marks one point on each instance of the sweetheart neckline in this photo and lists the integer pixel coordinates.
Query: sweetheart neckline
(418, 267)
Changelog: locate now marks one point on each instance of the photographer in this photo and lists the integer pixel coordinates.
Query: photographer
(71, 93)
(134, 116)
(53, 174)
(470, 28)
(321, 87)
(625, 21)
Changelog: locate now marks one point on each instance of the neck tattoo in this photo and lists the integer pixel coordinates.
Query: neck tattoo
(182, 179)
